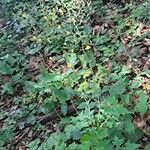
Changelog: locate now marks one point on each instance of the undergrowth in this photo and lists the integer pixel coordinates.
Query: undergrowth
(75, 61)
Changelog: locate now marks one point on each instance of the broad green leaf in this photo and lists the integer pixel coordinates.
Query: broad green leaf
(135, 84)
(7, 88)
(85, 146)
(142, 104)
(125, 98)
(47, 106)
(87, 29)
(6, 135)
(147, 147)
(116, 110)
(5, 68)
(73, 146)
(33, 145)
(72, 60)
(3, 148)
(68, 130)
(118, 142)
(85, 137)
(121, 109)
(76, 134)
(118, 88)
(112, 100)
(130, 146)
(147, 73)
(62, 95)
(102, 132)
(89, 58)
(50, 77)
(129, 126)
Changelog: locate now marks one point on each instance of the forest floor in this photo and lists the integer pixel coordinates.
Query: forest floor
(74, 75)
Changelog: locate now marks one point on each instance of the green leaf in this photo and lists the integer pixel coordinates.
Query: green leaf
(130, 146)
(129, 126)
(135, 84)
(5, 68)
(76, 134)
(125, 98)
(147, 147)
(85, 137)
(83, 86)
(121, 109)
(102, 132)
(62, 95)
(33, 145)
(85, 146)
(118, 88)
(33, 50)
(6, 135)
(112, 100)
(47, 106)
(72, 59)
(7, 88)
(50, 77)
(147, 73)
(64, 109)
(142, 104)
(3, 148)
(89, 58)
(73, 146)
(118, 142)
(68, 130)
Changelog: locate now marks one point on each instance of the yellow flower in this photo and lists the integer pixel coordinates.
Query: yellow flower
(68, 33)
(34, 38)
(59, 27)
(87, 47)
(45, 18)
(69, 65)
(24, 15)
(146, 86)
(61, 12)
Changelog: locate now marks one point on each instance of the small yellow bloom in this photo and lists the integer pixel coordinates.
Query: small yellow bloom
(68, 33)
(24, 15)
(146, 86)
(69, 65)
(59, 27)
(34, 38)
(61, 12)
(87, 47)
(45, 18)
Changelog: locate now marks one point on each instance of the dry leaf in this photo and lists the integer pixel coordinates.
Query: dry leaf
(142, 29)
(147, 42)
(139, 29)
(96, 30)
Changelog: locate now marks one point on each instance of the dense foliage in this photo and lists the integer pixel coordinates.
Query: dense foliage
(74, 75)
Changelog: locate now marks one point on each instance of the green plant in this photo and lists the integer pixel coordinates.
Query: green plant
(74, 69)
